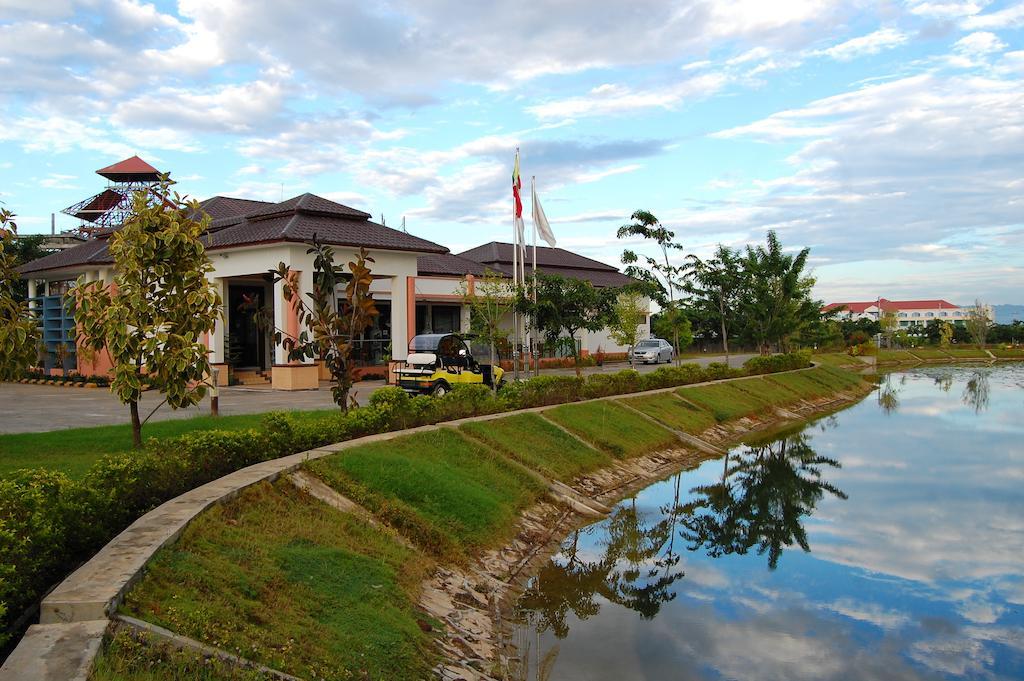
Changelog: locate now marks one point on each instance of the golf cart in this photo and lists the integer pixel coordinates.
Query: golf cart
(439, 361)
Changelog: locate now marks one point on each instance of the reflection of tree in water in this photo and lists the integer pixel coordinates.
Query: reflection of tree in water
(889, 393)
(760, 502)
(636, 570)
(976, 392)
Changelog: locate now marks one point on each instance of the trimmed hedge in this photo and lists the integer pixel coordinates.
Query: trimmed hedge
(49, 523)
(770, 364)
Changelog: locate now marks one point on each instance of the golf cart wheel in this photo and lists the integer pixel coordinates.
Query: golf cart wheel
(440, 390)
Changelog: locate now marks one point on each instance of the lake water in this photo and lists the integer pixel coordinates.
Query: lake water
(883, 542)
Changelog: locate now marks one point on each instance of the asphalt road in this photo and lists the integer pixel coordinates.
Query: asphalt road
(33, 408)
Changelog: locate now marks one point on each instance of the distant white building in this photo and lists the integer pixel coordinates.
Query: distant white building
(909, 312)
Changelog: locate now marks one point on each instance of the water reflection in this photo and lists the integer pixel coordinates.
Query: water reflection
(916, 575)
(976, 391)
(761, 500)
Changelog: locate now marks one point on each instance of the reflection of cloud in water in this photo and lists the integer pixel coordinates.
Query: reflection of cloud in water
(869, 612)
(955, 655)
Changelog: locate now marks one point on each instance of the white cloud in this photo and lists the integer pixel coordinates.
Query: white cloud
(610, 99)
(979, 43)
(946, 10)
(872, 43)
(1011, 17)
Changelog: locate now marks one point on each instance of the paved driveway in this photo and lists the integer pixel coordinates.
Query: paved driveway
(31, 408)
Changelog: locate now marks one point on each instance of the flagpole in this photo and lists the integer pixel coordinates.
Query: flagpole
(533, 201)
(515, 280)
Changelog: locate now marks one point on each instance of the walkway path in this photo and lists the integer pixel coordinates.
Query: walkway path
(32, 408)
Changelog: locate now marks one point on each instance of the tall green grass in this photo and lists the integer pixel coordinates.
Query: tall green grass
(449, 495)
(535, 442)
(613, 428)
(673, 412)
(725, 401)
(294, 584)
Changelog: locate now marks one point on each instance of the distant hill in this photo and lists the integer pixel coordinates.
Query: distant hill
(1006, 314)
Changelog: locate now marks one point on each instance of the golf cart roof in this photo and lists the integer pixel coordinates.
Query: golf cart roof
(428, 342)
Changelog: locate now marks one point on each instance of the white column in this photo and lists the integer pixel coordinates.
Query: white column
(280, 321)
(305, 286)
(217, 335)
(464, 319)
(399, 317)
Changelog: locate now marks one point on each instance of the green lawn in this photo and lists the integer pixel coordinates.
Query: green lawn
(836, 359)
(446, 493)
(613, 428)
(896, 356)
(836, 379)
(1008, 353)
(969, 353)
(673, 412)
(774, 393)
(929, 353)
(294, 584)
(724, 400)
(535, 442)
(127, 658)
(72, 451)
(803, 385)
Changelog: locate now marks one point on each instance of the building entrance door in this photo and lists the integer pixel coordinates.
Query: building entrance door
(247, 342)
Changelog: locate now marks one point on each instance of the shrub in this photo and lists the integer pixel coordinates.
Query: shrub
(769, 364)
(542, 391)
(670, 377)
(619, 383)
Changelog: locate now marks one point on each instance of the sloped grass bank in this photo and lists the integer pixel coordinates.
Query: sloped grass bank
(129, 658)
(673, 412)
(612, 428)
(725, 401)
(282, 579)
(291, 583)
(1008, 353)
(448, 494)
(534, 442)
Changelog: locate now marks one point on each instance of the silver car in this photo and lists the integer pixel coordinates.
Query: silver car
(654, 350)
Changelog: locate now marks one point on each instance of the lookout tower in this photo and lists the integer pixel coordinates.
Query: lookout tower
(109, 209)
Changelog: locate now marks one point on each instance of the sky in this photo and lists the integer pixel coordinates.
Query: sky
(886, 136)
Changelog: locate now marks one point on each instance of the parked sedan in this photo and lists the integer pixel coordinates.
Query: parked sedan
(654, 350)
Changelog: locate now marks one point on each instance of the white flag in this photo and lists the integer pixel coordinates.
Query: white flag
(540, 221)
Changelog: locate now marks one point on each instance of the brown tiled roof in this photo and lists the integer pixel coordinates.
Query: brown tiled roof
(557, 261)
(448, 265)
(240, 222)
(227, 209)
(300, 218)
(92, 252)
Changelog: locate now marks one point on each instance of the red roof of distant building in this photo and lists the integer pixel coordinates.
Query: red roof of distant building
(894, 305)
(130, 169)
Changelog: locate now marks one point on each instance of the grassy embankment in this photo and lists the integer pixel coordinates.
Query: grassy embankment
(282, 579)
(74, 450)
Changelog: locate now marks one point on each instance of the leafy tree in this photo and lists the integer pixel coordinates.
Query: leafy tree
(26, 249)
(864, 328)
(630, 312)
(673, 322)
(715, 287)
(890, 326)
(152, 320)
(776, 301)
(18, 332)
(661, 279)
(332, 324)
(564, 307)
(978, 323)
(488, 304)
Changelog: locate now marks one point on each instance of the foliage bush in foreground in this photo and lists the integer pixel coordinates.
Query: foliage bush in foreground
(50, 523)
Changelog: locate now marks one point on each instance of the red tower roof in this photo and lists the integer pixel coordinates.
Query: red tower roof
(132, 169)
